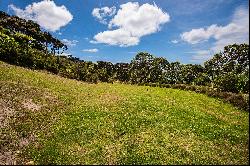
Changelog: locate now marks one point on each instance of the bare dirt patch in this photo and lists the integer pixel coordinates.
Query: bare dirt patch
(6, 112)
(30, 105)
(19, 105)
(8, 158)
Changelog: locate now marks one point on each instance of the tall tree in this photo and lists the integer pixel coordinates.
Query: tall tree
(42, 40)
(121, 72)
(229, 69)
(173, 74)
(140, 67)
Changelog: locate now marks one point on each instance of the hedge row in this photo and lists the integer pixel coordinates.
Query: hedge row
(239, 100)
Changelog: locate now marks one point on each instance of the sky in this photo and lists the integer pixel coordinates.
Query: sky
(188, 31)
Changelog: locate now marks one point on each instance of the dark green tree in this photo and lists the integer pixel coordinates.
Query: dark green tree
(232, 63)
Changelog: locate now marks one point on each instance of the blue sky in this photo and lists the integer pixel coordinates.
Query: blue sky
(188, 31)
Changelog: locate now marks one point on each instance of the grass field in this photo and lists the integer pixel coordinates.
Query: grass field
(46, 119)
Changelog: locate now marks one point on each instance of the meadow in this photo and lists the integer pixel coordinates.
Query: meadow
(48, 119)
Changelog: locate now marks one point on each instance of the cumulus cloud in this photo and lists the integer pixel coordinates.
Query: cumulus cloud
(91, 50)
(69, 42)
(46, 13)
(196, 35)
(102, 13)
(131, 22)
(237, 31)
(119, 37)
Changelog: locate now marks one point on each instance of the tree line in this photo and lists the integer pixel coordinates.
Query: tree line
(23, 43)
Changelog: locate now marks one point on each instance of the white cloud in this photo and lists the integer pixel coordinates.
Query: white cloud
(69, 42)
(132, 22)
(46, 13)
(119, 37)
(90, 50)
(196, 35)
(102, 13)
(174, 41)
(237, 31)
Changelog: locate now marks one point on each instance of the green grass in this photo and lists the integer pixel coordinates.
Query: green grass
(61, 121)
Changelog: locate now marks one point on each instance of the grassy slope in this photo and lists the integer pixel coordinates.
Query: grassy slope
(51, 119)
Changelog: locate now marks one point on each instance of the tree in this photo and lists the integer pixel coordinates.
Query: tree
(173, 73)
(232, 63)
(42, 40)
(121, 72)
(156, 70)
(140, 68)
(191, 72)
(104, 70)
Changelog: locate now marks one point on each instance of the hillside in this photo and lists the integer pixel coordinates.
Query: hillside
(47, 119)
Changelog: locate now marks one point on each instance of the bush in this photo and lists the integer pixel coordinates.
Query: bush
(237, 100)
(191, 88)
(167, 86)
(179, 86)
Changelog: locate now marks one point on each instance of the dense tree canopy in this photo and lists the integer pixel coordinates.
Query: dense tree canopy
(40, 40)
(229, 70)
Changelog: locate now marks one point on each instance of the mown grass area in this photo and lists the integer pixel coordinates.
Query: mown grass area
(46, 119)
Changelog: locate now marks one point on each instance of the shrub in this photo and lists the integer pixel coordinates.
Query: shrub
(237, 100)
(191, 88)
(179, 86)
(153, 84)
(165, 85)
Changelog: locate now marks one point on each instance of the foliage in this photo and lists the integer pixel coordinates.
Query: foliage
(121, 72)
(202, 79)
(172, 74)
(191, 72)
(229, 70)
(42, 40)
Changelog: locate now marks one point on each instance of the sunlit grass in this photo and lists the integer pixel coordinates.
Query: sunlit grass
(80, 123)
